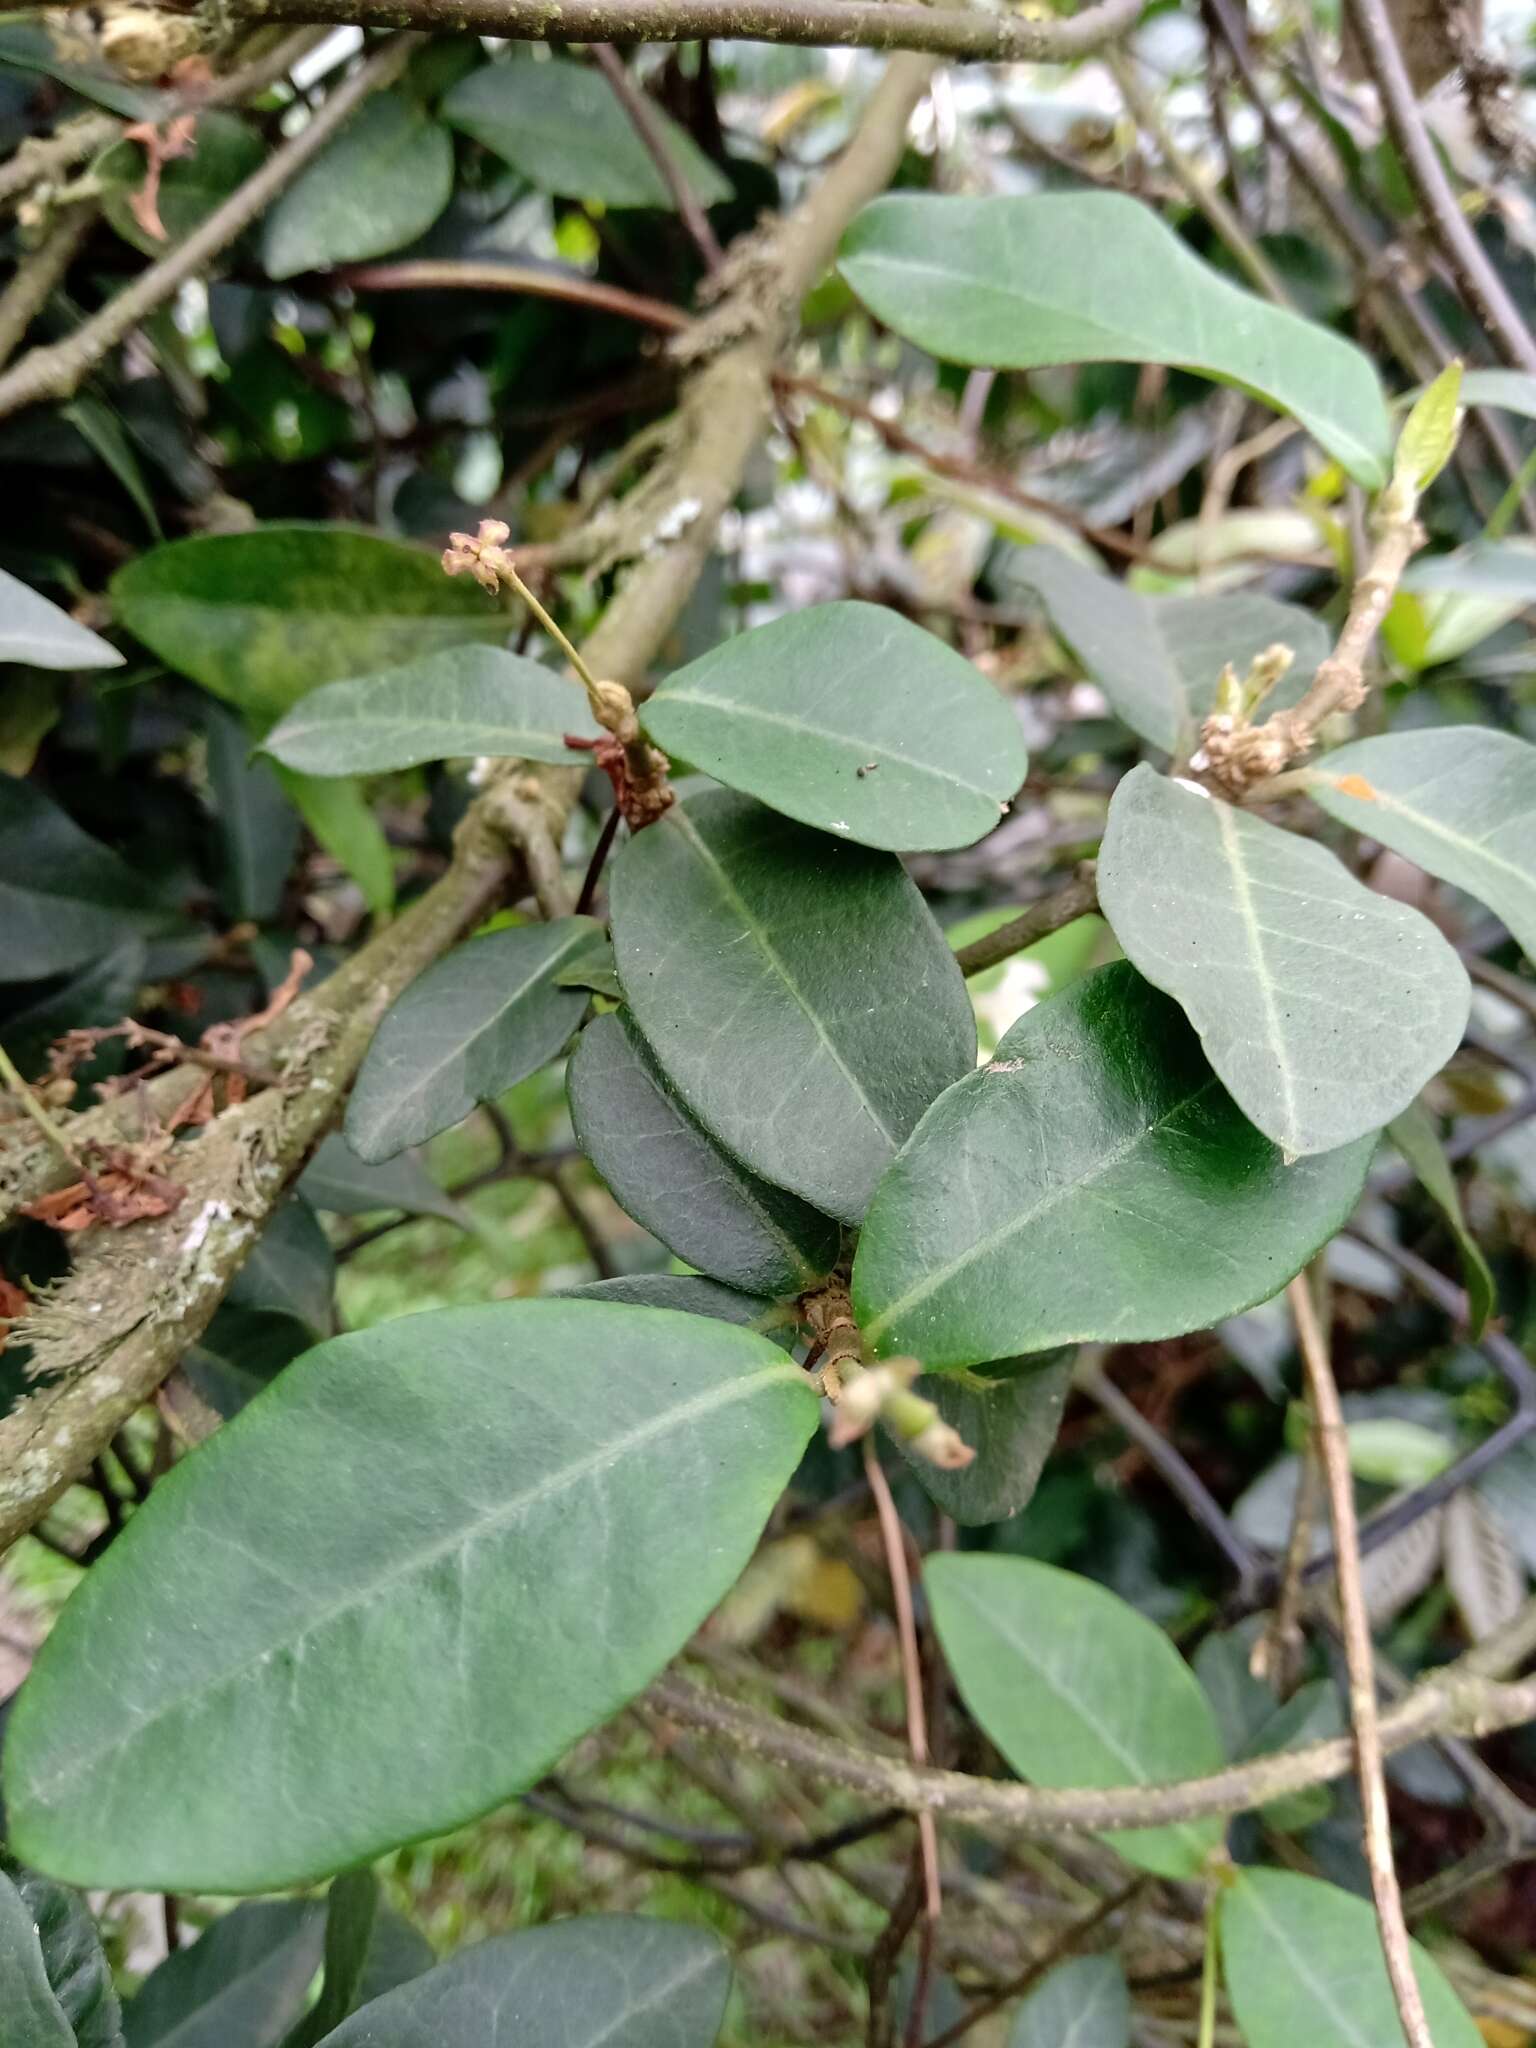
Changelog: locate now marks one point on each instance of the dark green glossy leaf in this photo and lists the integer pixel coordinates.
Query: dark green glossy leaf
(422, 1525)
(103, 433)
(1086, 277)
(397, 1953)
(1158, 659)
(850, 718)
(73, 1960)
(258, 826)
(33, 2015)
(379, 185)
(794, 988)
(64, 898)
(468, 700)
(1323, 1006)
(1094, 1182)
(351, 1918)
(339, 815)
(242, 1984)
(337, 1179)
(1009, 1415)
(224, 153)
(1459, 800)
(242, 1351)
(561, 126)
(672, 1177)
(1303, 1962)
(692, 1293)
(291, 1269)
(1083, 2003)
(260, 618)
(474, 1025)
(586, 1983)
(35, 631)
(1076, 1688)
(1415, 1136)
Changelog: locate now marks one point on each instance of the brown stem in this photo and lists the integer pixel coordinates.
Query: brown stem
(643, 118)
(893, 1539)
(1333, 1451)
(948, 31)
(441, 273)
(1469, 262)
(1073, 899)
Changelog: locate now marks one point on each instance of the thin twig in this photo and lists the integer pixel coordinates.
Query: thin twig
(1074, 899)
(39, 274)
(643, 117)
(1333, 1453)
(1469, 262)
(893, 1539)
(11, 1080)
(596, 864)
(534, 280)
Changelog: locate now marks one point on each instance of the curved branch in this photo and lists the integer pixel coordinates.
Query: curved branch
(961, 35)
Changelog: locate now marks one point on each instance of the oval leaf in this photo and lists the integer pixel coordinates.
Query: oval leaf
(1458, 800)
(35, 631)
(467, 700)
(560, 125)
(409, 1527)
(73, 1961)
(64, 897)
(472, 1026)
(1303, 1962)
(673, 1178)
(338, 1180)
(834, 1009)
(379, 185)
(242, 1984)
(1094, 277)
(262, 617)
(1077, 1688)
(1094, 1182)
(850, 718)
(1009, 1415)
(34, 2017)
(1080, 2004)
(594, 1981)
(1158, 659)
(1323, 1006)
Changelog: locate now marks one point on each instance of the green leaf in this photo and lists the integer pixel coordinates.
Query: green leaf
(589, 1982)
(258, 827)
(224, 154)
(241, 1352)
(397, 1953)
(1303, 1962)
(1511, 390)
(34, 2017)
(673, 1178)
(1009, 1414)
(1094, 1182)
(475, 1024)
(692, 1293)
(1396, 1453)
(260, 618)
(338, 814)
(35, 631)
(103, 433)
(1415, 1136)
(1076, 1688)
(379, 185)
(1428, 439)
(850, 718)
(1158, 659)
(1093, 277)
(242, 1984)
(467, 700)
(1083, 2003)
(291, 1268)
(29, 46)
(351, 1917)
(64, 898)
(560, 125)
(384, 1590)
(337, 1179)
(73, 1960)
(1323, 1006)
(1458, 800)
(835, 1010)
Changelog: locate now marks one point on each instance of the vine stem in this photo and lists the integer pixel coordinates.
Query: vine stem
(1333, 1452)
(1209, 1967)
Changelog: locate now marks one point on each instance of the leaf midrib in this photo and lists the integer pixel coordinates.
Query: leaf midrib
(612, 1451)
(1298, 1959)
(1475, 849)
(1242, 894)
